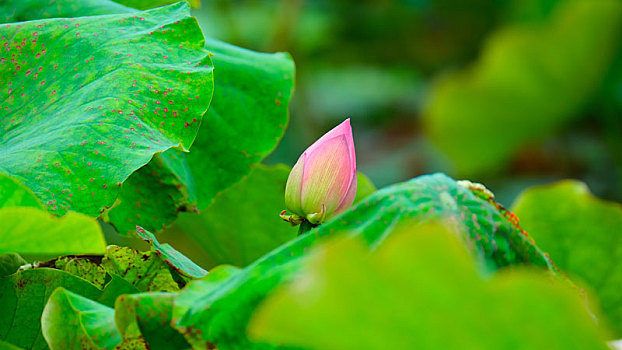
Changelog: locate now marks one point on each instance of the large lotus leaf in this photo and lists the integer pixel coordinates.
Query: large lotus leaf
(220, 317)
(244, 123)
(146, 271)
(146, 319)
(90, 100)
(174, 259)
(71, 321)
(532, 78)
(22, 298)
(582, 234)
(421, 290)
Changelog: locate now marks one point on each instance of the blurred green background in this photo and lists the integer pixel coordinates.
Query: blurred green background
(508, 93)
(511, 94)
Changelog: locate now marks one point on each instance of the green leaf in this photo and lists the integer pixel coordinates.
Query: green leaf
(196, 288)
(494, 241)
(8, 346)
(249, 114)
(86, 104)
(24, 294)
(9, 263)
(71, 321)
(257, 200)
(244, 123)
(531, 79)
(14, 194)
(147, 4)
(30, 230)
(174, 259)
(146, 271)
(22, 298)
(26, 10)
(364, 187)
(146, 319)
(427, 293)
(152, 196)
(27, 228)
(583, 236)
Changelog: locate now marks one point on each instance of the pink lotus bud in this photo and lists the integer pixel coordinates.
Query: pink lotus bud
(323, 181)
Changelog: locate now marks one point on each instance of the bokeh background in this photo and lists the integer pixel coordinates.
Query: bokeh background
(511, 94)
(508, 93)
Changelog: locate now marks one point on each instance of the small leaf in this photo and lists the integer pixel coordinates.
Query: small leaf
(174, 259)
(582, 234)
(71, 321)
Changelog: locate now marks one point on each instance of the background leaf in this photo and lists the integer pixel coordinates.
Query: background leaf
(75, 149)
(257, 200)
(412, 296)
(582, 234)
(531, 79)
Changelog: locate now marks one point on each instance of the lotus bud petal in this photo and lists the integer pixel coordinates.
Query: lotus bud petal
(323, 181)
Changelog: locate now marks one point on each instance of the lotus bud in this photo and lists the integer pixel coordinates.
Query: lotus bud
(323, 182)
